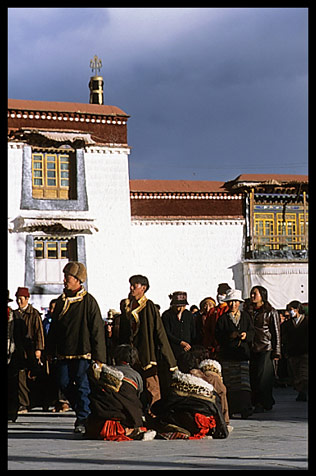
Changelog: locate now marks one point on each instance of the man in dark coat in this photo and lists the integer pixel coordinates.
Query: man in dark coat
(141, 326)
(179, 324)
(295, 339)
(76, 336)
(35, 335)
(17, 348)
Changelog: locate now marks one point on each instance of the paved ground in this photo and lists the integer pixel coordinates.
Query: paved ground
(273, 440)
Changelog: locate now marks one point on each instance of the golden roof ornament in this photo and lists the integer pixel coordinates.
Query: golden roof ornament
(96, 82)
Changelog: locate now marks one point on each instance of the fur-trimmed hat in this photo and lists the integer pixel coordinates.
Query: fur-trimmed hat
(76, 269)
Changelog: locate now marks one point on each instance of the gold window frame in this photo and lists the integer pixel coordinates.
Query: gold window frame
(59, 173)
(45, 247)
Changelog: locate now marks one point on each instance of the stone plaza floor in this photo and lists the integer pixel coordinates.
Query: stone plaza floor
(275, 440)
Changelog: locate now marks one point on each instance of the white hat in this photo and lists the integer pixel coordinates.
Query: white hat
(233, 295)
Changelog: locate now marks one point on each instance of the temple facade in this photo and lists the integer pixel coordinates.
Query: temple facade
(70, 198)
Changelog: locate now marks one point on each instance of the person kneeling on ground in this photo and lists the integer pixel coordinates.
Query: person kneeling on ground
(211, 371)
(192, 409)
(116, 410)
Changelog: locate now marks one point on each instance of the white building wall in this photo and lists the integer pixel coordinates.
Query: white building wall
(15, 158)
(108, 250)
(16, 241)
(192, 256)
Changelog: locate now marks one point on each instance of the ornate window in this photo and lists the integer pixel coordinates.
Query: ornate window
(277, 225)
(264, 229)
(51, 175)
(38, 194)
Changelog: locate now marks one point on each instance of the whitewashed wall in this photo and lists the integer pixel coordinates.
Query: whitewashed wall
(108, 250)
(16, 242)
(192, 256)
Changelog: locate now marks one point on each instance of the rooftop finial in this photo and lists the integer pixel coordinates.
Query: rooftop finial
(96, 82)
(96, 64)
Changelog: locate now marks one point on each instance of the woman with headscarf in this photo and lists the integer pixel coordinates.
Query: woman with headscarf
(266, 348)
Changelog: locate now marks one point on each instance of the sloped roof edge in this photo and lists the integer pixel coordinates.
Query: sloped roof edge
(273, 179)
(66, 107)
(173, 186)
(209, 186)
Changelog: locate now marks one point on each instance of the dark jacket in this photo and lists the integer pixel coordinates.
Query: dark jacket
(267, 329)
(228, 335)
(143, 328)
(19, 346)
(77, 329)
(33, 322)
(295, 337)
(179, 330)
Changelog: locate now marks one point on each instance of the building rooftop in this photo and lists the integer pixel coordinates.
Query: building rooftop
(189, 199)
(273, 179)
(177, 186)
(194, 199)
(210, 186)
(70, 107)
(106, 124)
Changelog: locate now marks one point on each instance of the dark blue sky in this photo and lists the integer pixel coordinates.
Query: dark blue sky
(212, 92)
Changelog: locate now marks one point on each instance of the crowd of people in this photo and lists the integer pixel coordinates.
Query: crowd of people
(183, 373)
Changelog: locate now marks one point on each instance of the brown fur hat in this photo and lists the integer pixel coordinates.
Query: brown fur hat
(76, 269)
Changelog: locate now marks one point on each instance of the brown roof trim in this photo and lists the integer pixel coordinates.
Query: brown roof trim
(176, 186)
(106, 124)
(188, 206)
(144, 188)
(187, 217)
(184, 196)
(65, 107)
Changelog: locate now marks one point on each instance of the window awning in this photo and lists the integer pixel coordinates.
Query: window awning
(66, 136)
(69, 137)
(55, 225)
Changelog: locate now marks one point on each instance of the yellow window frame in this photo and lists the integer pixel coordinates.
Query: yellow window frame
(264, 226)
(37, 159)
(63, 160)
(46, 247)
(39, 249)
(54, 175)
(51, 172)
(290, 223)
